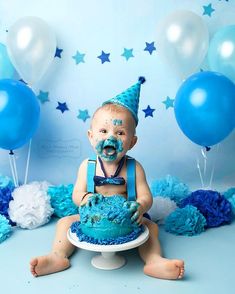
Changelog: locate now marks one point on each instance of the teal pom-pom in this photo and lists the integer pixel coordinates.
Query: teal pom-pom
(5, 228)
(186, 221)
(61, 200)
(6, 182)
(142, 80)
(170, 187)
(230, 196)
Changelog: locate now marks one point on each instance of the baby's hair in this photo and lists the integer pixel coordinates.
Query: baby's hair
(110, 107)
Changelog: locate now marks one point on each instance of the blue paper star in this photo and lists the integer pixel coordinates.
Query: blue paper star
(62, 107)
(104, 57)
(58, 52)
(150, 47)
(79, 57)
(168, 102)
(83, 115)
(148, 111)
(43, 97)
(208, 9)
(128, 53)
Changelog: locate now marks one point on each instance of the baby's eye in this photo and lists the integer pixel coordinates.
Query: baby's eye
(120, 133)
(103, 131)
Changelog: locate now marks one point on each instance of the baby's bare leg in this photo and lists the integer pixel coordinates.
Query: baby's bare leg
(57, 260)
(155, 264)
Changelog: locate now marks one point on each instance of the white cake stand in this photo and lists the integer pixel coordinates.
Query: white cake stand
(108, 259)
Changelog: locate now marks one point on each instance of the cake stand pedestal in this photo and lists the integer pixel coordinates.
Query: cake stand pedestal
(108, 259)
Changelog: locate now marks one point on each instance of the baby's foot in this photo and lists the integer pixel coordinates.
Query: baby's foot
(170, 269)
(48, 264)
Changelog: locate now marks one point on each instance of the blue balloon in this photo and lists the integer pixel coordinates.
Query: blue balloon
(19, 114)
(205, 108)
(221, 53)
(7, 70)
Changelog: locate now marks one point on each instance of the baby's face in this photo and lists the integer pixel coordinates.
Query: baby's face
(112, 134)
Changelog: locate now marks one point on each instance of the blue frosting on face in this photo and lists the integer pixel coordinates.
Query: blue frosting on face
(117, 122)
(106, 220)
(111, 143)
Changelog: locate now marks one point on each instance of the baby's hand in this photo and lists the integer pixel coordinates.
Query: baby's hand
(94, 199)
(136, 210)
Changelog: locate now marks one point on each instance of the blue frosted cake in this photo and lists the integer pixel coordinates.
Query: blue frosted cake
(106, 220)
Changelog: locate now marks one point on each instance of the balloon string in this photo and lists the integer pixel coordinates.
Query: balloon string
(15, 169)
(200, 173)
(213, 167)
(12, 168)
(27, 163)
(205, 161)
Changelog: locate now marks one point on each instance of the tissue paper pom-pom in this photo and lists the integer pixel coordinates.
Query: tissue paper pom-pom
(5, 198)
(170, 187)
(5, 228)
(6, 182)
(161, 208)
(30, 207)
(230, 196)
(186, 221)
(229, 193)
(61, 200)
(232, 202)
(216, 209)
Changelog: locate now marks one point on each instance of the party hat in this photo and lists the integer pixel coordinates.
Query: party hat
(129, 98)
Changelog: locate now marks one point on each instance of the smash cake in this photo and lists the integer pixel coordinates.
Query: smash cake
(106, 221)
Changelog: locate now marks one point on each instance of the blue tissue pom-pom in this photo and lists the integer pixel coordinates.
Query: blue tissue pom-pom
(186, 221)
(5, 228)
(170, 187)
(5, 198)
(230, 196)
(61, 200)
(6, 182)
(216, 209)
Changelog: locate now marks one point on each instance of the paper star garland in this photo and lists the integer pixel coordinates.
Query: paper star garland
(43, 97)
(150, 47)
(128, 53)
(83, 115)
(148, 111)
(79, 57)
(62, 107)
(58, 52)
(104, 57)
(168, 102)
(208, 9)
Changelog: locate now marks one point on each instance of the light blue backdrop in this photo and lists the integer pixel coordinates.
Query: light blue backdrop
(89, 27)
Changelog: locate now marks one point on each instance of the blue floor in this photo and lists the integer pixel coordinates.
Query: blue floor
(209, 258)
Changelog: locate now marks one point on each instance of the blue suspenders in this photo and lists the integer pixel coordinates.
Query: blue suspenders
(130, 182)
(91, 166)
(131, 190)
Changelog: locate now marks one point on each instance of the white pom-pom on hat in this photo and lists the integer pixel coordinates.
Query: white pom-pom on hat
(30, 207)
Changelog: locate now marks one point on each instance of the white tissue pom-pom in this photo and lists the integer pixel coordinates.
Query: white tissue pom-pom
(30, 207)
(161, 208)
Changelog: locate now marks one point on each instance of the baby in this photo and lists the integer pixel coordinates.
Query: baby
(112, 134)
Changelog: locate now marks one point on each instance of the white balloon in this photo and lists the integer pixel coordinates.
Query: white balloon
(183, 41)
(31, 46)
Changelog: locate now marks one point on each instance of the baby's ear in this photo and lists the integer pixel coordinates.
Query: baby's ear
(133, 141)
(89, 134)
